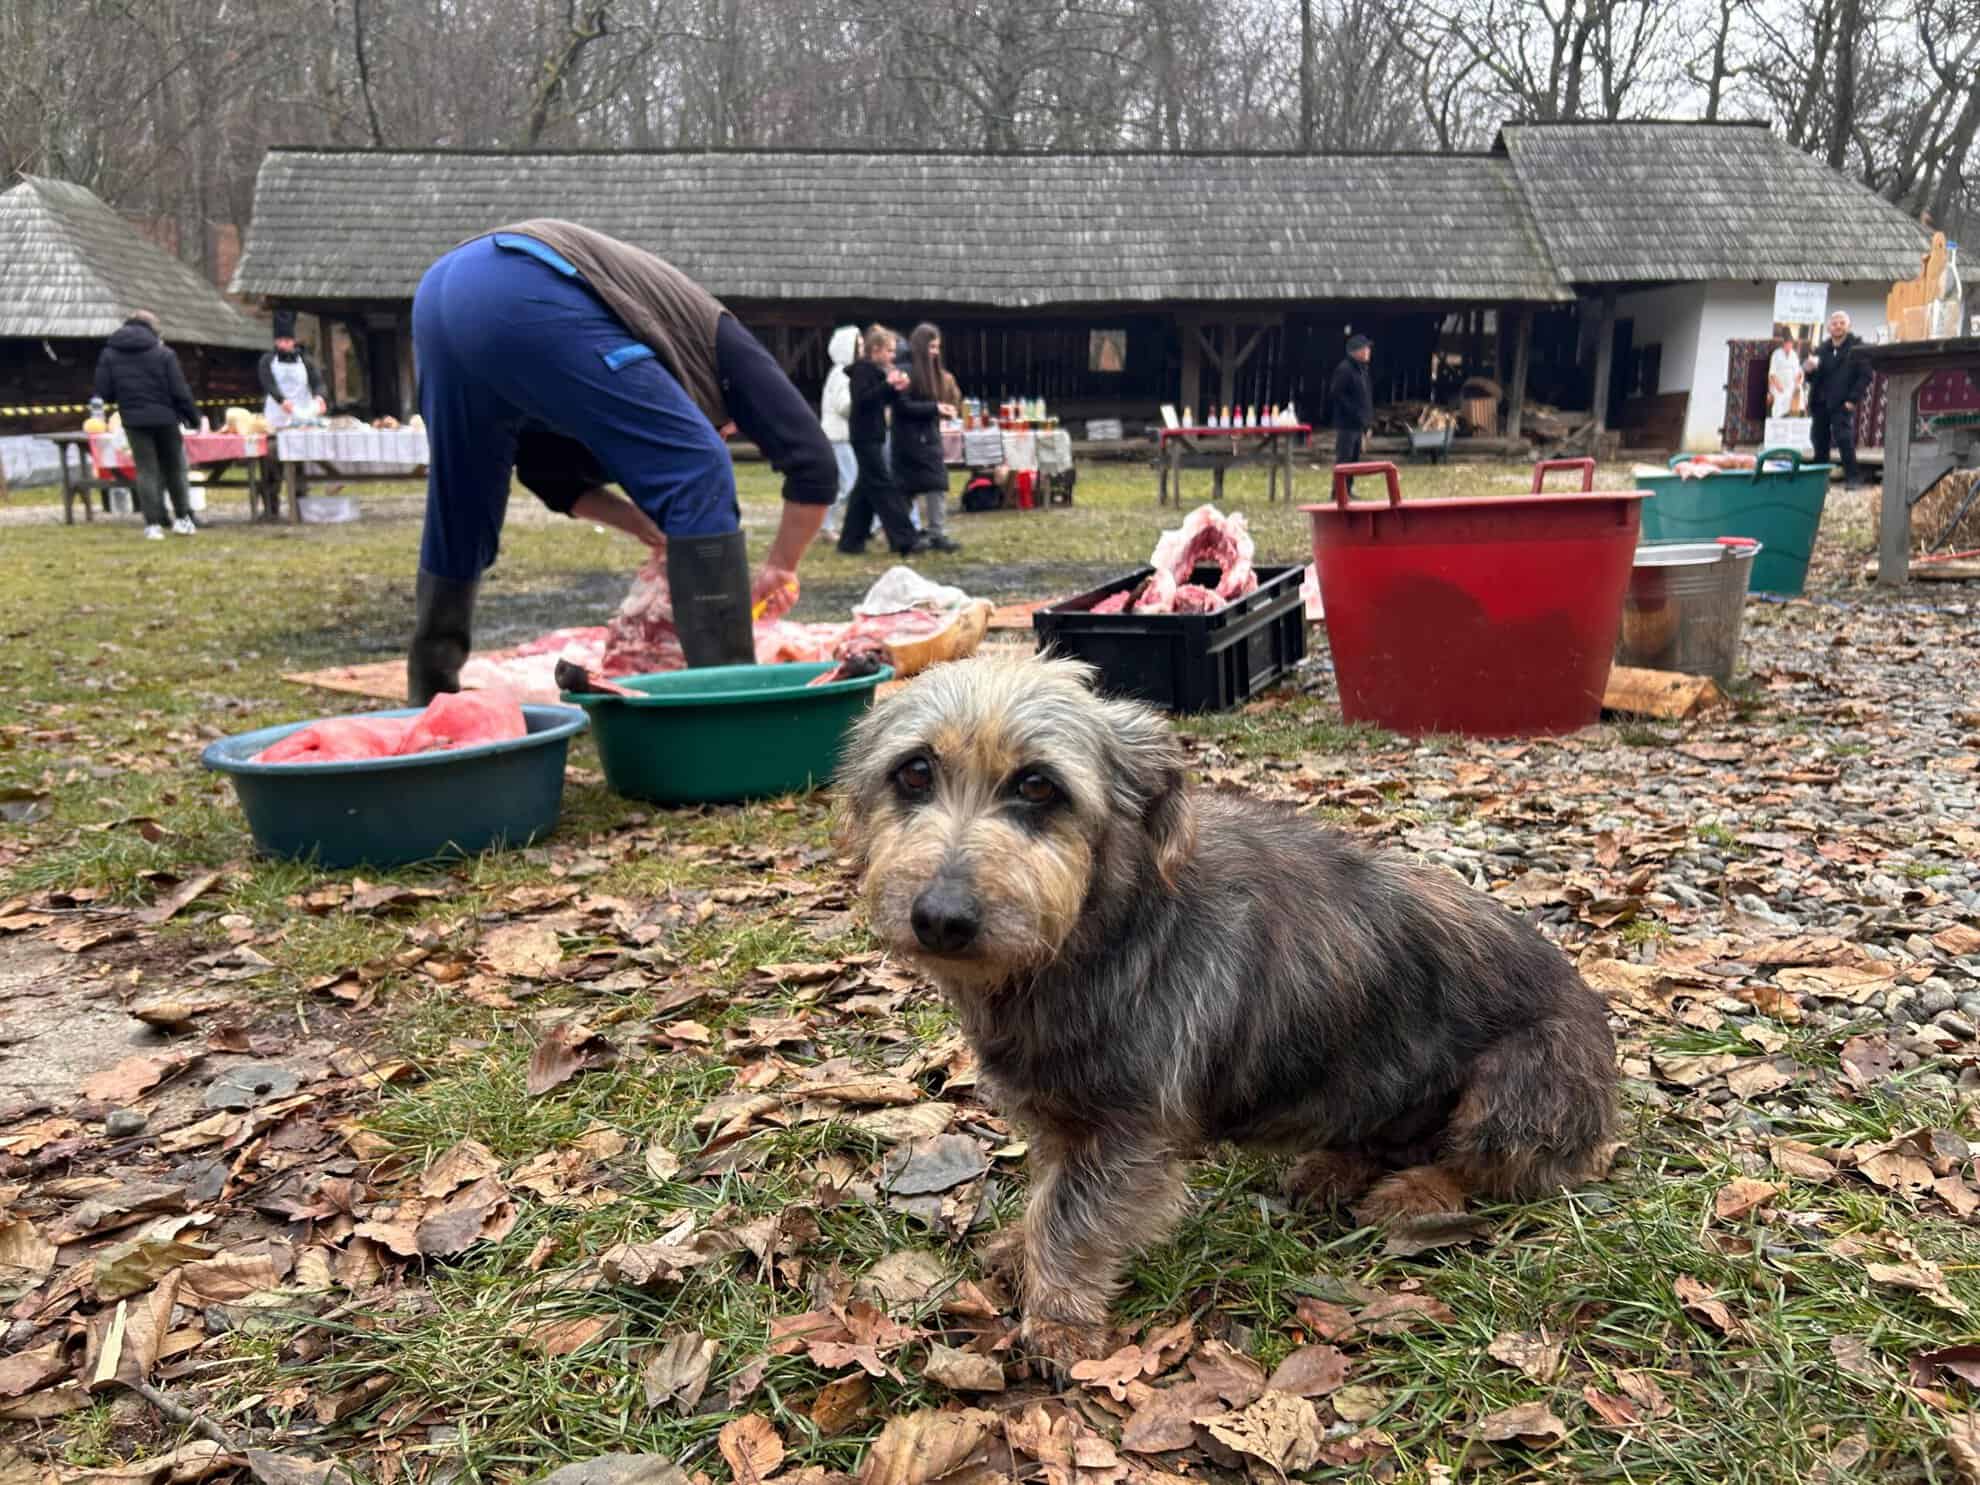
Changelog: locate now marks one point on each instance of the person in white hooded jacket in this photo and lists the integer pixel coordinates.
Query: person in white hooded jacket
(834, 408)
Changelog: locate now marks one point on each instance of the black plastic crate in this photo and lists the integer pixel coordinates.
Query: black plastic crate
(1185, 662)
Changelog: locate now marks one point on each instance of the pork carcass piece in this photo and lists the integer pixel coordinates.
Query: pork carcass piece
(451, 720)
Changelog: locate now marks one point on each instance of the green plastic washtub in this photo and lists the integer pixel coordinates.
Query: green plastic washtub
(724, 733)
(394, 811)
(1779, 508)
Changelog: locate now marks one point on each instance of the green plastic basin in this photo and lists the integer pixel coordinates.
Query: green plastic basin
(724, 733)
(1779, 508)
(394, 811)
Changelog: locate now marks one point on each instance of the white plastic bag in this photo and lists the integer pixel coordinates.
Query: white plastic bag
(902, 588)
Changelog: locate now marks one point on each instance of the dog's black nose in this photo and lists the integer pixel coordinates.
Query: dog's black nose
(946, 918)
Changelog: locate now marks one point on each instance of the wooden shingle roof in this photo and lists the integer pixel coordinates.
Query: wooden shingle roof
(1017, 231)
(1635, 202)
(72, 267)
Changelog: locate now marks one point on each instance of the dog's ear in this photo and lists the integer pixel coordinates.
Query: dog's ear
(1153, 777)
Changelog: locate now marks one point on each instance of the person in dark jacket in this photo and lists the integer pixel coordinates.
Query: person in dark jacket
(1838, 381)
(142, 375)
(876, 387)
(291, 386)
(567, 358)
(1351, 400)
(917, 450)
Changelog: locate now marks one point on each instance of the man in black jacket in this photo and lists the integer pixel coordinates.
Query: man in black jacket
(1351, 400)
(142, 375)
(1838, 380)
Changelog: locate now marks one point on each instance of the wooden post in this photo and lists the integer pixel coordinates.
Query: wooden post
(1192, 366)
(1522, 349)
(1894, 518)
(408, 370)
(1605, 355)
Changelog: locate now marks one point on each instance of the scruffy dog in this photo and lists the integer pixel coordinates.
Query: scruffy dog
(1144, 971)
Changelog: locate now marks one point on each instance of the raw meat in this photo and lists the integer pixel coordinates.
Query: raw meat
(1205, 539)
(451, 720)
(1698, 466)
(464, 719)
(339, 740)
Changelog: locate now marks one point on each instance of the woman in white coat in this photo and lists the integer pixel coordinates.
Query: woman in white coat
(834, 408)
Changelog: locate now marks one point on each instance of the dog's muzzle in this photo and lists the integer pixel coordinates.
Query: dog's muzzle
(946, 916)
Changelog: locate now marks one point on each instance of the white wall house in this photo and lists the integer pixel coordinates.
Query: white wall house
(1689, 227)
(1694, 324)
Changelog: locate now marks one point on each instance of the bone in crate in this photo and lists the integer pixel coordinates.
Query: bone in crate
(1205, 539)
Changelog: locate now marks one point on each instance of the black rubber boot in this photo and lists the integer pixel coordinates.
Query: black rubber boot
(444, 615)
(709, 579)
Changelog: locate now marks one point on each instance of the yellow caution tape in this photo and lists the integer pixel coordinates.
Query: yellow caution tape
(83, 407)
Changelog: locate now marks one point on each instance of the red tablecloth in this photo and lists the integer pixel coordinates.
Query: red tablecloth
(1260, 432)
(113, 458)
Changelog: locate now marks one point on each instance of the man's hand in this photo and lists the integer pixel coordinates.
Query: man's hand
(774, 593)
(897, 379)
(288, 406)
(1849, 407)
(946, 409)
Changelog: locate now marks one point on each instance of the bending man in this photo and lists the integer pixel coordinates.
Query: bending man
(568, 359)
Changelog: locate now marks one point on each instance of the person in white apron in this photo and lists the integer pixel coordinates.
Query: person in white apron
(290, 382)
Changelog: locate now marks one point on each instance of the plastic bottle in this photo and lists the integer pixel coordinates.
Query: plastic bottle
(1947, 310)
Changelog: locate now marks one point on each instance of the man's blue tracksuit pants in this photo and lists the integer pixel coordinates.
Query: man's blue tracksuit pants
(509, 339)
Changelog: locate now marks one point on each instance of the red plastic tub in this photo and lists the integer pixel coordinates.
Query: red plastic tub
(1495, 617)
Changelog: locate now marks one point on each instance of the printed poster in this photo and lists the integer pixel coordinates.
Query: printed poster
(1799, 310)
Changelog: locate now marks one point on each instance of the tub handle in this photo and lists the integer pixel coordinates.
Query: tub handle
(1792, 455)
(1586, 466)
(1345, 472)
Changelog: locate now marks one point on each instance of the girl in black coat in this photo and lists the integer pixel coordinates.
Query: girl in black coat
(875, 388)
(918, 414)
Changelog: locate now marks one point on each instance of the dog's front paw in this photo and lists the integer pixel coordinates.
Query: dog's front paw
(1420, 1191)
(1064, 1344)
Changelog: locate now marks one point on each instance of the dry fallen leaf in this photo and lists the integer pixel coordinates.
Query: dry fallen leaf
(1530, 1423)
(569, 1049)
(1393, 1313)
(184, 1465)
(24, 1371)
(619, 1469)
(678, 1371)
(1112, 1374)
(464, 1164)
(174, 902)
(1895, 1169)
(1737, 1198)
(904, 1281)
(1539, 1356)
(1802, 1161)
(1697, 1298)
(526, 951)
(1282, 1430)
(752, 1447)
(1852, 1354)
(938, 1163)
(963, 1371)
(1617, 1412)
(1359, 1403)
(130, 1079)
(562, 1337)
(1310, 1371)
(26, 1258)
(1238, 1379)
(1164, 1419)
(1867, 1061)
(1963, 1443)
(841, 1404)
(1641, 1388)
(1924, 1276)
(916, 1448)
(1327, 1322)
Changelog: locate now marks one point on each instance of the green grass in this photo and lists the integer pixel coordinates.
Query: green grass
(141, 652)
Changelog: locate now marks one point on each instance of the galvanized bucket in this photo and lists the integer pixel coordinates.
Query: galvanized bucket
(1683, 608)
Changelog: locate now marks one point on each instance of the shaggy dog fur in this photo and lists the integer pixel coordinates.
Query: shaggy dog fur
(1145, 971)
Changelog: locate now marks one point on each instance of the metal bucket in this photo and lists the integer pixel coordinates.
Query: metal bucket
(1684, 605)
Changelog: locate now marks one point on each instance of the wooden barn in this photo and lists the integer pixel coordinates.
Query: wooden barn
(1112, 283)
(71, 271)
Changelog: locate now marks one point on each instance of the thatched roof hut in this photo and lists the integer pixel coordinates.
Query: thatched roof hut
(1246, 269)
(71, 272)
(72, 268)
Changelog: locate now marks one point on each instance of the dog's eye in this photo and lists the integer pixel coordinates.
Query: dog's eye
(915, 776)
(1035, 788)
